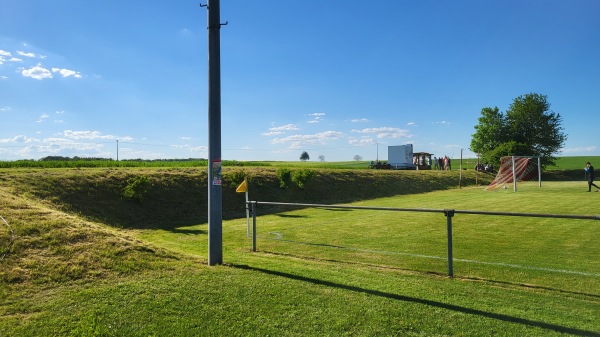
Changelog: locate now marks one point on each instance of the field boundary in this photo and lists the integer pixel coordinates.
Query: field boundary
(448, 213)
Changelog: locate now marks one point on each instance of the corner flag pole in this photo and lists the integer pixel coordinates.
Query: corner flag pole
(244, 188)
(215, 179)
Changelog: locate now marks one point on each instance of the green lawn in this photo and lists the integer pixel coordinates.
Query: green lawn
(513, 276)
(331, 272)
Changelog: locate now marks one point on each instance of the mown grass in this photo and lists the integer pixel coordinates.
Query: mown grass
(318, 272)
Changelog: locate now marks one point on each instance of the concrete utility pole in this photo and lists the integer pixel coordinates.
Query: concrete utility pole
(215, 190)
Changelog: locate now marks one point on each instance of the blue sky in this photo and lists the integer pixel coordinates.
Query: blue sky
(333, 78)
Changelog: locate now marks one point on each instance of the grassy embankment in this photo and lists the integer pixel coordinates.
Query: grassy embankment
(87, 261)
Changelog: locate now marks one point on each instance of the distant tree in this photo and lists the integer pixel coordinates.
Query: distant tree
(529, 128)
(321, 157)
(358, 157)
(304, 156)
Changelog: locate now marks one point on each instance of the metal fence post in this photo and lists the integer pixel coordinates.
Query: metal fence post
(254, 226)
(449, 213)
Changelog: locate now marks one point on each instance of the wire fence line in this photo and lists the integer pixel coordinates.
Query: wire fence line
(448, 213)
(12, 239)
(429, 210)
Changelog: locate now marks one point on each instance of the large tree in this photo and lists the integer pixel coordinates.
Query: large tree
(528, 128)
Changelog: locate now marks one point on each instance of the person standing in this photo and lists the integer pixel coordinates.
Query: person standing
(589, 172)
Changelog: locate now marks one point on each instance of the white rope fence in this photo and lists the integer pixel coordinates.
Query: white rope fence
(12, 239)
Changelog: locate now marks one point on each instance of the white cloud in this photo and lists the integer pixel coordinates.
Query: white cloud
(365, 140)
(359, 120)
(15, 59)
(17, 139)
(385, 132)
(297, 141)
(584, 149)
(5, 109)
(92, 135)
(277, 130)
(66, 72)
(272, 133)
(441, 122)
(3, 77)
(197, 149)
(60, 112)
(37, 72)
(22, 53)
(4, 53)
(317, 117)
(42, 118)
(185, 138)
(411, 124)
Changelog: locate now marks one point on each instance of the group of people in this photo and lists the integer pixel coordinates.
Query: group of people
(480, 167)
(442, 163)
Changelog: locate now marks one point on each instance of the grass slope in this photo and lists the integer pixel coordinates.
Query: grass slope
(85, 262)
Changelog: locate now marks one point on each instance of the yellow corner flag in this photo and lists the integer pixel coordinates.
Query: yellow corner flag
(243, 187)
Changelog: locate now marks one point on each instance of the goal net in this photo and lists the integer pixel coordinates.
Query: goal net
(514, 169)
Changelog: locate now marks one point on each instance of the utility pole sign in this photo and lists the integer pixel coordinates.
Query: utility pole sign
(216, 172)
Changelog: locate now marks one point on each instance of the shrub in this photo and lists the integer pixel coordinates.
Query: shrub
(301, 177)
(235, 177)
(284, 176)
(137, 188)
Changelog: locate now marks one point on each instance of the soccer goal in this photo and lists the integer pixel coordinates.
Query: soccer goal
(517, 168)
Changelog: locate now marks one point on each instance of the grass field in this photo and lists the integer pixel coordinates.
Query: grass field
(562, 163)
(317, 272)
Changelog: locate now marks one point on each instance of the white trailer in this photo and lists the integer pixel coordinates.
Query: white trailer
(400, 157)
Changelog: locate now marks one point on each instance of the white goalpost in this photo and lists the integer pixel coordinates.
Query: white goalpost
(516, 168)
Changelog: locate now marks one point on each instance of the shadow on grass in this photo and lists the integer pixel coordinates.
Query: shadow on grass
(592, 297)
(188, 231)
(436, 304)
(531, 286)
(281, 215)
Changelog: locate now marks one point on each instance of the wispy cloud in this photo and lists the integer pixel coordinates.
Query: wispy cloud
(22, 53)
(316, 117)
(5, 109)
(66, 72)
(583, 149)
(411, 124)
(385, 132)
(298, 141)
(277, 130)
(92, 135)
(42, 118)
(17, 139)
(441, 122)
(200, 149)
(359, 120)
(37, 72)
(363, 141)
(5, 53)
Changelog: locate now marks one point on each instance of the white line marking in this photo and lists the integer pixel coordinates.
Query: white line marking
(279, 236)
